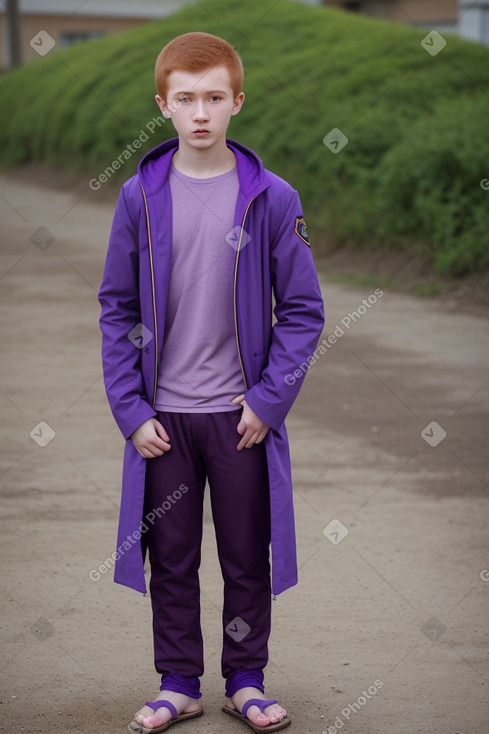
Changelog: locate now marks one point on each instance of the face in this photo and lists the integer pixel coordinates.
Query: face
(200, 101)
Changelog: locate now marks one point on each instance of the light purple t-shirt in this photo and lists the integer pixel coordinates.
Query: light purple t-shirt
(200, 370)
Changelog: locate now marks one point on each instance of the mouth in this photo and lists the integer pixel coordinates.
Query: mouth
(200, 131)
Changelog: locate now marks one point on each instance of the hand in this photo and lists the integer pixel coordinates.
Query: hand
(151, 439)
(251, 428)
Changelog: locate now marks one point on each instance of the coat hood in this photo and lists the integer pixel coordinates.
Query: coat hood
(153, 168)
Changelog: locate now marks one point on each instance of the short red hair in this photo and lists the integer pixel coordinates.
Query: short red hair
(198, 51)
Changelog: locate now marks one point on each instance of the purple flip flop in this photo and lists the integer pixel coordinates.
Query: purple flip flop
(137, 728)
(262, 706)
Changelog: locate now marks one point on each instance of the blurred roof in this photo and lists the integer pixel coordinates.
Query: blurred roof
(103, 8)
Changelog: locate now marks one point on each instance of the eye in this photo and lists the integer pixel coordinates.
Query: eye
(216, 96)
(183, 99)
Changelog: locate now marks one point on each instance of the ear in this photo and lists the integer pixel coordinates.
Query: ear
(238, 103)
(165, 111)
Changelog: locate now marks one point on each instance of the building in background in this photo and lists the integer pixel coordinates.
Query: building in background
(439, 15)
(467, 18)
(68, 21)
(474, 20)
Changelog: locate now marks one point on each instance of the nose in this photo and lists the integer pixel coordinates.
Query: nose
(200, 111)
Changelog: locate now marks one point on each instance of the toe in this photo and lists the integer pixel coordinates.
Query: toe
(270, 715)
(275, 713)
(146, 717)
(256, 717)
(142, 714)
(149, 722)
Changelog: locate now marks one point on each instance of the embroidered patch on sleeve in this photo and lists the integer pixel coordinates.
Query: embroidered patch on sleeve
(301, 230)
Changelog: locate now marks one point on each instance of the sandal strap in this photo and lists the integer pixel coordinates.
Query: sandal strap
(155, 705)
(256, 702)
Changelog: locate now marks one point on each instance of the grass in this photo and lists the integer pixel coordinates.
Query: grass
(409, 177)
(427, 290)
(359, 280)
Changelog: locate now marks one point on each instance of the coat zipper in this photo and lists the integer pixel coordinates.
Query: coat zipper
(234, 290)
(155, 324)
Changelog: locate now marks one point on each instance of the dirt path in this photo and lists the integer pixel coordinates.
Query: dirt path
(387, 631)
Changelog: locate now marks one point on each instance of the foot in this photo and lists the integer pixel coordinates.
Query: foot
(151, 719)
(272, 714)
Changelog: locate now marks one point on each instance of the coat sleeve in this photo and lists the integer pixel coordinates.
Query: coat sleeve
(299, 312)
(120, 313)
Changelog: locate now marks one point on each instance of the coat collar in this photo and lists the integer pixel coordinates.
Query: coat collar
(153, 168)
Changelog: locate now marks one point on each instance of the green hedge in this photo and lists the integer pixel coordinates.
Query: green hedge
(418, 148)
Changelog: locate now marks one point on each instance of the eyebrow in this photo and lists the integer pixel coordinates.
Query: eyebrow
(209, 91)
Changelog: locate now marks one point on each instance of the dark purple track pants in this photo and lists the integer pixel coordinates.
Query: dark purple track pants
(204, 445)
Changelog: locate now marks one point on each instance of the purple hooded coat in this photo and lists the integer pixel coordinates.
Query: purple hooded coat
(273, 257)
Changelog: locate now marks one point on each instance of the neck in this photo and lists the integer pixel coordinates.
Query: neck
(204, 163)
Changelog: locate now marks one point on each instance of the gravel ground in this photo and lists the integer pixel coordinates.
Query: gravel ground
(387, 630)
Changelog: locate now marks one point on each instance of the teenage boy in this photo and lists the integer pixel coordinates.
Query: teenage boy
(198, 379)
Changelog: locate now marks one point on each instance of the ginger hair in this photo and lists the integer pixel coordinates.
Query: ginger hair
(197, 51)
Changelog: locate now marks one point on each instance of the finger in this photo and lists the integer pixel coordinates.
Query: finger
(241, 428)
(148, 455)
(159, 445)
(244, 440)
(154, 440)
(160, 430)
(238, 399)
(152, 452)
(241, 444)
(153, 447)
(261, 435)
(251, 442)
(145, 453)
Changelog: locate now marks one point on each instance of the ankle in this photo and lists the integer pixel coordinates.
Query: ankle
(239, 679)
(187, 685)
